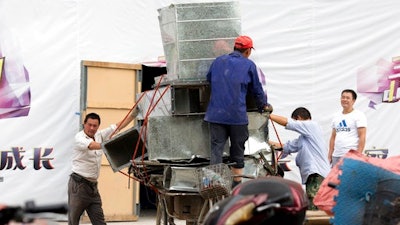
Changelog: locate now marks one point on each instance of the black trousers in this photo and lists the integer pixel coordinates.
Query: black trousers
(237, 134)
(84, 195)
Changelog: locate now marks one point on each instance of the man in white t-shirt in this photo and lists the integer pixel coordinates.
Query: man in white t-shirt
(349, 128)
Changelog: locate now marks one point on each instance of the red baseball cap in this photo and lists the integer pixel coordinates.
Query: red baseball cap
(243, 42)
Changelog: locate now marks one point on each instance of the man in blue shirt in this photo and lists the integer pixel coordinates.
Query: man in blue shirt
(312, 151)
(233, 76)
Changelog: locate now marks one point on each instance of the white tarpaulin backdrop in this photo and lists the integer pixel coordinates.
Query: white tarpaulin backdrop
(309, 50)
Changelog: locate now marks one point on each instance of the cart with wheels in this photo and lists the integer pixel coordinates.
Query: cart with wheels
(182, 203)
(198, 187)
(174, 200)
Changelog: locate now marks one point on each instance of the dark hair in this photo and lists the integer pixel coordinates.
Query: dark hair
(93, 116)
(241, 50)
(301, 112)
(353, 93)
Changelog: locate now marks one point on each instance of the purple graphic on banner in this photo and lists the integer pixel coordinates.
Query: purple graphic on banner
(15, 95)
(380, 81)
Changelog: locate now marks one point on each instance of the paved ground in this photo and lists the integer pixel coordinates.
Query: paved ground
(146, 217)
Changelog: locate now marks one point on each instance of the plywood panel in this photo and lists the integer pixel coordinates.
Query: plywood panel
(111, 87)
(117, 192)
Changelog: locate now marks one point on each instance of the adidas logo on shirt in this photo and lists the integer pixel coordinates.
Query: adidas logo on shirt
(342, 127)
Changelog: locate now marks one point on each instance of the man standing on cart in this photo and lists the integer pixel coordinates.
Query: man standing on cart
(233, 76)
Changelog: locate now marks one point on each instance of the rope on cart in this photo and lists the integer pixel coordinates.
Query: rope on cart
(143, 177)
(126, 116)
(277, 135)
(143, 129)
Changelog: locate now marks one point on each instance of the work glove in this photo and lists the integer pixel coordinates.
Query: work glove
(267, 109)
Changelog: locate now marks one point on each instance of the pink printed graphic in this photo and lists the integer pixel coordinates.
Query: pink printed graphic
(15, 96)
(380, 81)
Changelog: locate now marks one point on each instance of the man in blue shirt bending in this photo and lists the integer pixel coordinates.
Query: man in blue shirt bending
(233, 76)
(312, 151)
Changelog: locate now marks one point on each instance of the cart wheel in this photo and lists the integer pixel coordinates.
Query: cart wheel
(162, 216)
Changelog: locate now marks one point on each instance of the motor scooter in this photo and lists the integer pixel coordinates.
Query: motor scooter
(269, 200)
